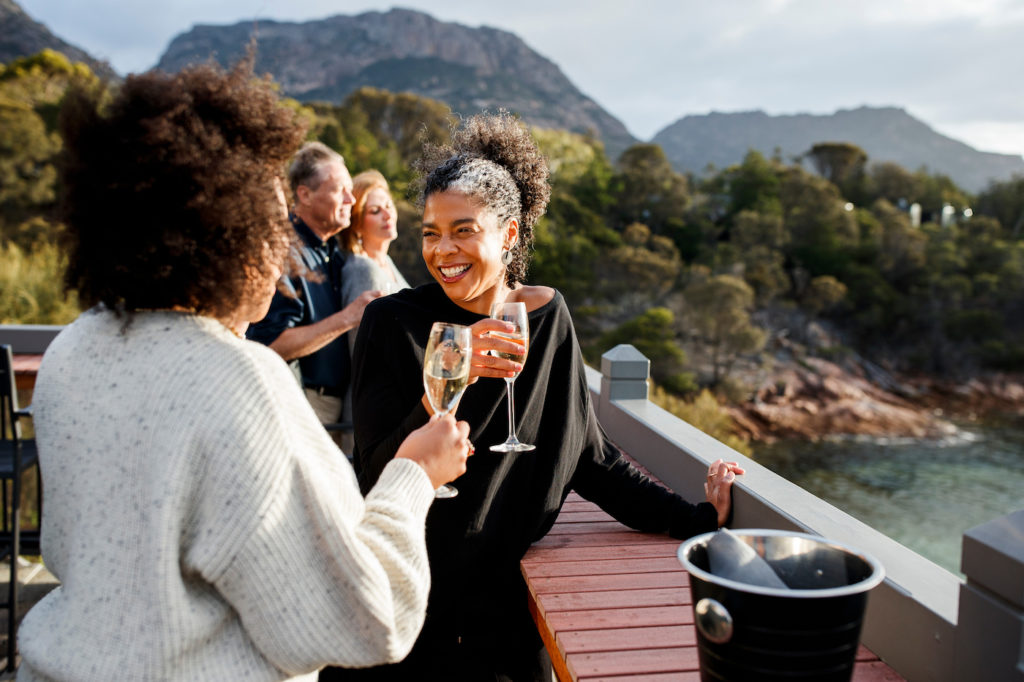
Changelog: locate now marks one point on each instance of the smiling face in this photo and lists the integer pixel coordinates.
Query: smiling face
(378, 225)
(462, 246)
(327, 209)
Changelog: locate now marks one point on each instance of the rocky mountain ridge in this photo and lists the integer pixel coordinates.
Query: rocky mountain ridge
(23, 36)
(884, 133)
(470, 69)
(474, 69)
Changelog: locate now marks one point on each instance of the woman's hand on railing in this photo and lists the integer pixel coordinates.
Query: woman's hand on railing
(718, 487)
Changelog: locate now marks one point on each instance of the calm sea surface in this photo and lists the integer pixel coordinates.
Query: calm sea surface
(922, 493)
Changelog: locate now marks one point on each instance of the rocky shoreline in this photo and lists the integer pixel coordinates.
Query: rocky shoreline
(810, 398)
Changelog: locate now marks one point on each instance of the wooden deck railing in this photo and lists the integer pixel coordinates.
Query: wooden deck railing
(922, 620)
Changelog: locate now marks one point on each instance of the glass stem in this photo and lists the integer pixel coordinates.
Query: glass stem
(511, 411)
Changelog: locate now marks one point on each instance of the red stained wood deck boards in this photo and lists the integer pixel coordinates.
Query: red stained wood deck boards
(631, 564)
(620, 599)
(607, 663)
(578, 507)
(600, 619)
(628, 639)
(584, 516)
(538, 555)
(592, 527)
(615, 582)
(656, 677)
(570, 541)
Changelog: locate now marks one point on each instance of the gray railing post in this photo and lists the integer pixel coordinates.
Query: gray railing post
(624, 372)
(990, 627)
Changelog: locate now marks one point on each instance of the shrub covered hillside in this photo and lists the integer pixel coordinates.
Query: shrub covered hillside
(901, 267)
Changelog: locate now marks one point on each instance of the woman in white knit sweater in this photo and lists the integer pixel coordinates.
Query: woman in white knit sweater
(201, 522)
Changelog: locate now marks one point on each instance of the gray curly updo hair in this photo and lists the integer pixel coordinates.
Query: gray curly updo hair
(494, 160)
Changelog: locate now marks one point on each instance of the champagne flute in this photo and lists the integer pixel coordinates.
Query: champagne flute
(446, 373)
(516, 314)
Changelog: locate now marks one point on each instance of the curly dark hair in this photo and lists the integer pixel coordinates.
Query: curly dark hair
(493, 159)
(168, 189)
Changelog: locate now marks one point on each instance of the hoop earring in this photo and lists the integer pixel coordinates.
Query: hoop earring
(506, 257)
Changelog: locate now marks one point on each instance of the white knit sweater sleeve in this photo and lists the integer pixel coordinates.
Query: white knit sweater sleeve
(317, 575)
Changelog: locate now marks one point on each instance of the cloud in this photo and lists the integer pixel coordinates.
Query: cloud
(952, 62)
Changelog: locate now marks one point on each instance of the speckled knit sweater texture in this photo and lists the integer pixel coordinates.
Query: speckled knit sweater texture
(202, 523)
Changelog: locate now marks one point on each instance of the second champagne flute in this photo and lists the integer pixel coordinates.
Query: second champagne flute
(446, 373)
(514, 312)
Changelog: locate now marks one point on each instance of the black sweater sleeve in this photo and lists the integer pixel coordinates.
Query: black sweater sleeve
(386, 403)
(606, 478)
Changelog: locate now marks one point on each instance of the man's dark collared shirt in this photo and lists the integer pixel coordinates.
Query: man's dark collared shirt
(328, 367)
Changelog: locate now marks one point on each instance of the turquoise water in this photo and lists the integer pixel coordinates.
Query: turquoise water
(922, 493)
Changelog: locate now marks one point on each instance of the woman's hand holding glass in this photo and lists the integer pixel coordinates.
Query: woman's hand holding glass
(487, 345)
(441, 447)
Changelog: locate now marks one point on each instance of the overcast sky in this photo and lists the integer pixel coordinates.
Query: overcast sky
(955, 64)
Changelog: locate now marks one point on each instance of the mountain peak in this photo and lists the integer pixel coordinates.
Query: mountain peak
(885, 133)
(403, 50)
(22, 36)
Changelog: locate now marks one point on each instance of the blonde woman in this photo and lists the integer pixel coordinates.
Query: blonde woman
(374, 227)
(368, 266)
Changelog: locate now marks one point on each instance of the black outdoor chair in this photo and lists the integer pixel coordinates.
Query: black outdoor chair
(17, 455)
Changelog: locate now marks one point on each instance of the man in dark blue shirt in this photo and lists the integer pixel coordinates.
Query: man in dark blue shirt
(308, 327)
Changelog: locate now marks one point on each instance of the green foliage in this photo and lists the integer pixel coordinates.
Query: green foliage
(894, 183)
(823, 293)
(574, 233)
(1004, 201)
(704, 413)
(383, 130)
(754, 185)
(31, 286)
(626, 242)
(653, 334)
(1001, 355)
(646, 264)
(764, 270)
(823, 234)
(974, 325)
(842, 164)
(718, 312)
(647, 189)
(937, 190)
(30, 93)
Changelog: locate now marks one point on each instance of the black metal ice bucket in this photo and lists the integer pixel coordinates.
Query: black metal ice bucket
(809, 631)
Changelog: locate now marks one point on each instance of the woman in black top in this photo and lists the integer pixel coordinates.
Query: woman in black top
(482, 198)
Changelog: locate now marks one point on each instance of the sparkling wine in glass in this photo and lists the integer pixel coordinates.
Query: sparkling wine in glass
(516, 314)
(446, 373)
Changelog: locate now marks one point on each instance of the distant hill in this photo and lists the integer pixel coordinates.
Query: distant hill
(885, 133)
(470, 69)
(22, 36)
